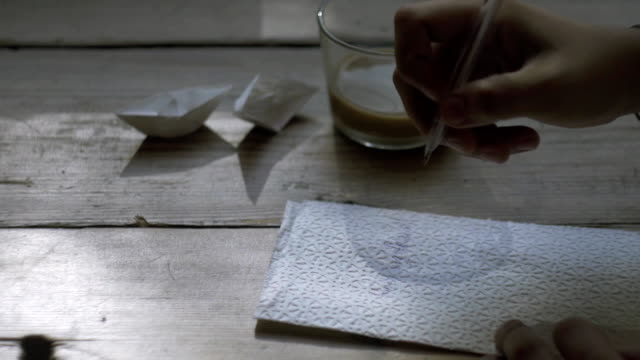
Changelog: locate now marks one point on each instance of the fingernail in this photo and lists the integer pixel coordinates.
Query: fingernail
(456, 144)
(423, 128)
(520, 148)
(526, 143)
(494, 156)
(453, 111)
(504, 331)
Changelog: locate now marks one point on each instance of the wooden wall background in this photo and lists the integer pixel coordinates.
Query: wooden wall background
(148, 22)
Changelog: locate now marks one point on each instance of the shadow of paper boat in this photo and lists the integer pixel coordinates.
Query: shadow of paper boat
(160, 156)
(262, 149)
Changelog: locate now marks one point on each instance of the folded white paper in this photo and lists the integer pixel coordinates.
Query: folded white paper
(271, 102)
(444, 281)
(174, 113)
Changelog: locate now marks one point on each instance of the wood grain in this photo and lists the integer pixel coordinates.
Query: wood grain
(145, 22)
(157, 294)
(68, 161)
(161, 294)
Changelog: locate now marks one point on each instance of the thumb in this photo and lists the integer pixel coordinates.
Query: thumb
(499, 97)
(631, 355)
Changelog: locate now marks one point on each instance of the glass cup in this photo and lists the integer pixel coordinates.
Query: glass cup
(356, 37)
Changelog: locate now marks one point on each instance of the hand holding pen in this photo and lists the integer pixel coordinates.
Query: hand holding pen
(534, 64)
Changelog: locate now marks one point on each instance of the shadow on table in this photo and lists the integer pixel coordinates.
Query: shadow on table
(449, 184)
(382, 177)
(32, 347)
(258, 152)
(262, 149)
(355, 157)
(160, 156)
(276, 331)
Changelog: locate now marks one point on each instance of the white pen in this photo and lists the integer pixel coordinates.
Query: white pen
(463, 69)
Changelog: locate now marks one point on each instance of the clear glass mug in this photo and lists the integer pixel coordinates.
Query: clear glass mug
(357, 38)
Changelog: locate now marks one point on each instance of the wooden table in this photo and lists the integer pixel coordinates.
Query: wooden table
(121, 247)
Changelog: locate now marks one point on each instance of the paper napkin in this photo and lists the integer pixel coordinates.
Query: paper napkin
(444, 281)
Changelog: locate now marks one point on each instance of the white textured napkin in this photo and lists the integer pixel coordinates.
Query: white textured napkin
(270, 102)
(174, 113)
(444, 281)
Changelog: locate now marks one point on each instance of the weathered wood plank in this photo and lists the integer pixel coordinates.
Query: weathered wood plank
(67, 160)
(121, 22)
(157, 294)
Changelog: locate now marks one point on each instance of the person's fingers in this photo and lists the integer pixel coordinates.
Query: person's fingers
(445, 20)
(526, 92)
(492, 143)
(518, 342)
(491, 357)
(631, 355)
(420, 32)
(489, 143)
(579, 339)
(420, 109)
(432, 75)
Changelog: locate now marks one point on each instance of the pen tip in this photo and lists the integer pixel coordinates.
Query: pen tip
(427, 156)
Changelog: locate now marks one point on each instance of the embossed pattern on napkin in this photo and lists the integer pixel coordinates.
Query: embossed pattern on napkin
(444, 281)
